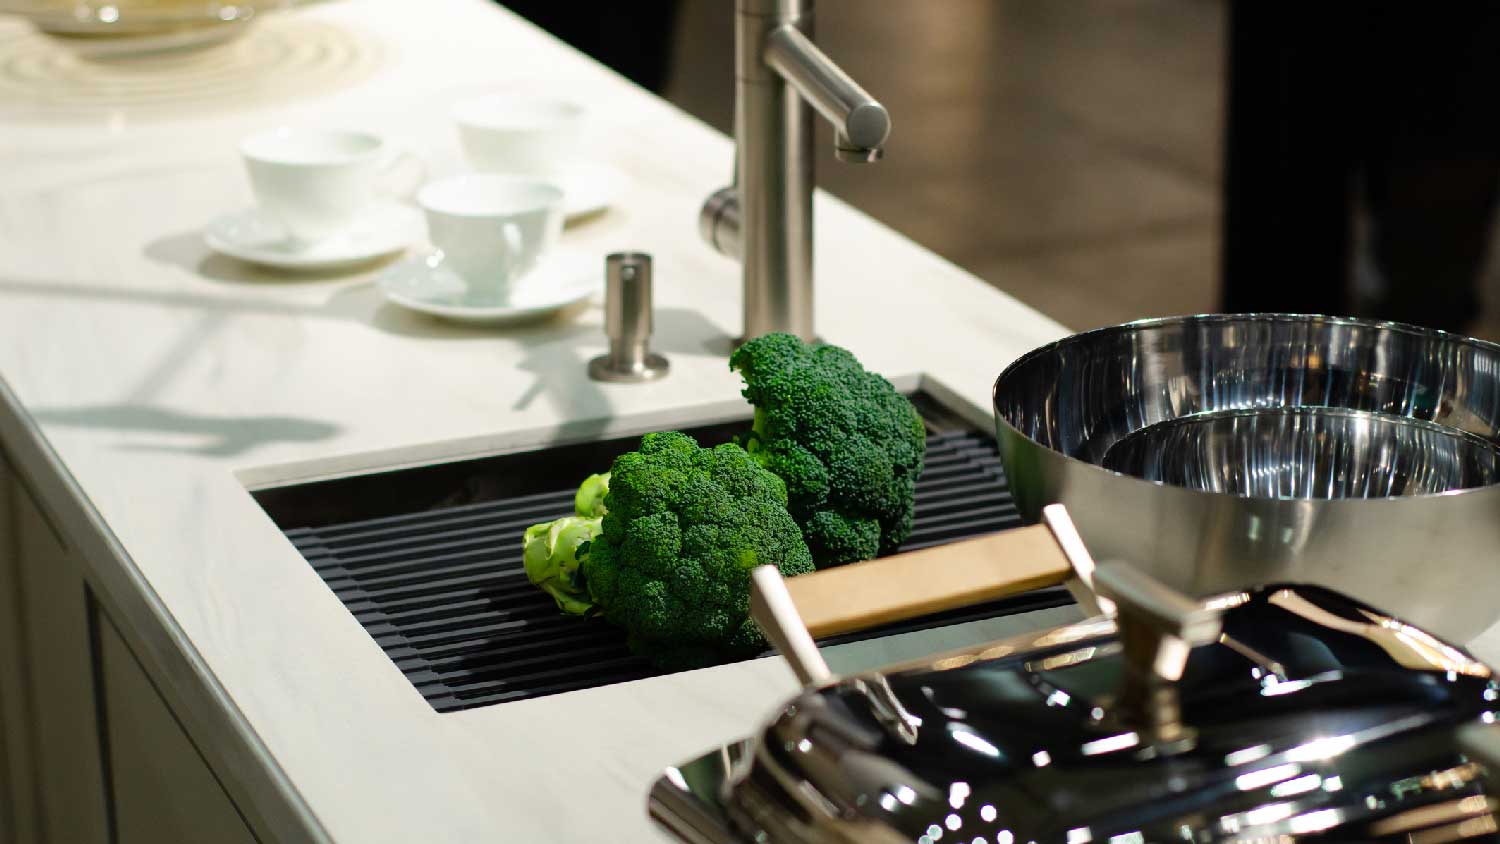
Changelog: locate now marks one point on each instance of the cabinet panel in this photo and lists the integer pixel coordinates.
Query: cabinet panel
(163, 790)
(64, 716)
(18, 797)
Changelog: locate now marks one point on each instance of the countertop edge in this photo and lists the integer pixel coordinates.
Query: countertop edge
(245, 766)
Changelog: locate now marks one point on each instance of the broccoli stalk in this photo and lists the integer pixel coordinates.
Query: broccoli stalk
(553, 557)
(553, 552)
(669, 560)
(847, 445)
(589, 501)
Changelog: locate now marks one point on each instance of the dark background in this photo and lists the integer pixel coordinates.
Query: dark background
(1073, 153)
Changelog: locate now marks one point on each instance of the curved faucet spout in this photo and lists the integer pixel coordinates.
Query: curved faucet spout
(860, 122)
(766, 218)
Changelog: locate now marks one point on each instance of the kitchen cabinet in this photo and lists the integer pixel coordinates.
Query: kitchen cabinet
(18, 807)
(58, 671)
(163, 790)
(90, 753)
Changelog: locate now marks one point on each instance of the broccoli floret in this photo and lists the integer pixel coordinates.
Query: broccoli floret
(683, 528)
(553, 555)
(848, 446)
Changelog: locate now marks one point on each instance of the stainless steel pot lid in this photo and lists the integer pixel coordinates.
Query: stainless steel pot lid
(1313, 718)
(1278, 713)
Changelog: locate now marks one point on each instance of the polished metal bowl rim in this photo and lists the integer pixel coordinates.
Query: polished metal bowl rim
(1153, 322)
(1210, 416)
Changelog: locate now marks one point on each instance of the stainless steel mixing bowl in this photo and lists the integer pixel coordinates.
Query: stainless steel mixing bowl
(1433, 559)
(1307, 452)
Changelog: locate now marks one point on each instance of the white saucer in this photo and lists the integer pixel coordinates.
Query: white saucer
(589, 188)
(424, 284)
(250, 235)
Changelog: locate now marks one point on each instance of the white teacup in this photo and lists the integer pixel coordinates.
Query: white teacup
(503, 133)
(492, 229)
(315, 182)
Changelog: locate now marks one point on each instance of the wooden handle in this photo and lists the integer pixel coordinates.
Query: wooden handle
(862, 595)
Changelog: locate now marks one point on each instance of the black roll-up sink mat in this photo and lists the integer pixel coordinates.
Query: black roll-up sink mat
(440, 586)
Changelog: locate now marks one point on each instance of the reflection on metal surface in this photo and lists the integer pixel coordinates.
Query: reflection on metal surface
(1408, 645)
(1061, 408)
(1300, 785)
(1088, 629)
(1452, 777)
(887, 708)
(1472, 828)
(1315, 821)
(281, 58)
(1219, 603)
(1247, 755)
(1110, 744)
(1063, 660)
(1441, 813)
(1018, 748)
(1084, 394)
(1307, 452)
(1267, 670)
(972, 740)
(956, 661)
(1266, 776)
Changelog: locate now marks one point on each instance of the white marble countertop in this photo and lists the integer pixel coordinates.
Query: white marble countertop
(163, 378)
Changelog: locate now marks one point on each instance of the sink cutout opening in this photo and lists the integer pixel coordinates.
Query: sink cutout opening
(428, 559)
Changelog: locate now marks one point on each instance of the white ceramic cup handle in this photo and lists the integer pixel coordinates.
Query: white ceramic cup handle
(401, 174)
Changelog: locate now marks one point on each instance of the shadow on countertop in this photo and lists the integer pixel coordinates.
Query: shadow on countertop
(679, 331)
(222, 436)
(550, 346)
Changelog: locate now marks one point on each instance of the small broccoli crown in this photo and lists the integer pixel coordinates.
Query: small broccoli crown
(553, 554)
(805, 475)
(848, 446)
(684, 526)
(831, 536)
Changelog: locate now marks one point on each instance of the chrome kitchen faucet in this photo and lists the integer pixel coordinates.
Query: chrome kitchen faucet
(765, 218)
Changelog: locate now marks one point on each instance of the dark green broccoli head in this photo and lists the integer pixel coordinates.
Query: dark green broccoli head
(848, 446)
(683, 528)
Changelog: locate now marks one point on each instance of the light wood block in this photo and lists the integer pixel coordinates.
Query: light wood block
(875, 592)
